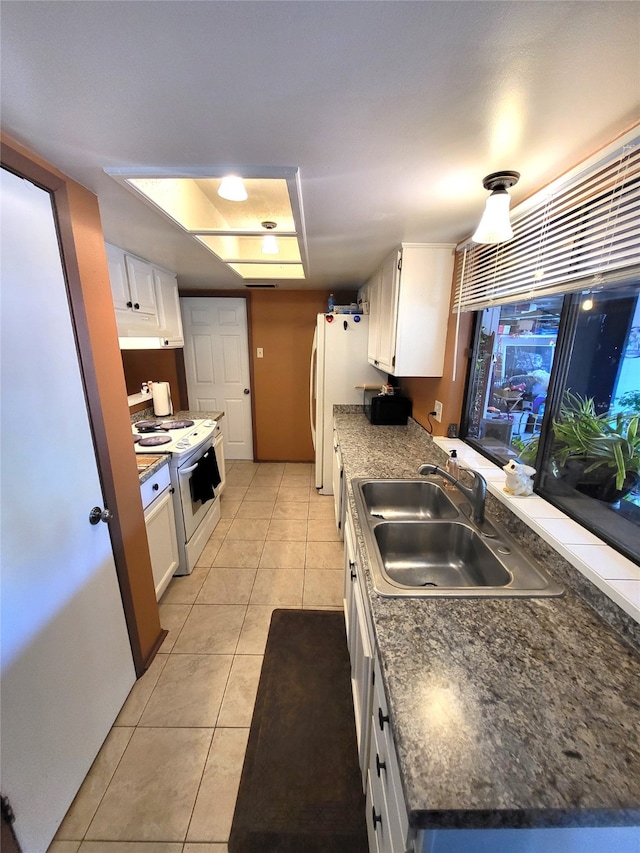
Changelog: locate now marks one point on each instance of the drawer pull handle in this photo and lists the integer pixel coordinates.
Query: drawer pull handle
(376, 818)
(380, 765)
(352, 566)
(155, 487)
(382, 718)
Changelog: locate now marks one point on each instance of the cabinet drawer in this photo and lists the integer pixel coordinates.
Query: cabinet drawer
(154, 486)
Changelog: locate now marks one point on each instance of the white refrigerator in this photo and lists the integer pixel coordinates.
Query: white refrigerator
(338, 365)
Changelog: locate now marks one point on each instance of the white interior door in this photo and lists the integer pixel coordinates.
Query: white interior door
(66, 665)
(216, 355)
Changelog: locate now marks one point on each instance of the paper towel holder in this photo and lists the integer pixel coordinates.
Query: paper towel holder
(162, 405)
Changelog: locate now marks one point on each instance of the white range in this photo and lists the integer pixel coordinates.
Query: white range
(197, 477)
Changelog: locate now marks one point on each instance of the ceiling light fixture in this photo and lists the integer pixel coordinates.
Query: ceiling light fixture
(495, 226)
(232, 188)
(269, 242)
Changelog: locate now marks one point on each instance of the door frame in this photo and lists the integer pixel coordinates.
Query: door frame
(234, 294)
(93, 319)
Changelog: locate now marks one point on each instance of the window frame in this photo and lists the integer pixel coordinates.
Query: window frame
(565, 342)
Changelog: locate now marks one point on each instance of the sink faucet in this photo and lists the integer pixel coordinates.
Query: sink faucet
(476, 494)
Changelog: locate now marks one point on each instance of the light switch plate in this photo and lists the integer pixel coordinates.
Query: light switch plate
(259, 352)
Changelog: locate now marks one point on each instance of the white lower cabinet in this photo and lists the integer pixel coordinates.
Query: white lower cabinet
(386, 814)
(360, 648)
(338, 485)
(159, 519)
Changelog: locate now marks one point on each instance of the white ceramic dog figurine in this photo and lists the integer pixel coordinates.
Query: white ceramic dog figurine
(519, 478)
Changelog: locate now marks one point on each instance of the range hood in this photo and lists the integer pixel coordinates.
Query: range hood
(142, 342)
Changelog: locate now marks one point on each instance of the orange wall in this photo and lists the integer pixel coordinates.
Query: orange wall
(282, 323)
(165, 365)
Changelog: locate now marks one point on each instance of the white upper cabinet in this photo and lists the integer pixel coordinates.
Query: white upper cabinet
(409, 300)
(146, 302)
(140, 275)
(170, 318)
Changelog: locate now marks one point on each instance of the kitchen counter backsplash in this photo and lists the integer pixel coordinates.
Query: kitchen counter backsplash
(398, 451)
(147, 415)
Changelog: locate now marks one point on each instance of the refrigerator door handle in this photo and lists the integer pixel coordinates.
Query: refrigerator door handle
(312, 386)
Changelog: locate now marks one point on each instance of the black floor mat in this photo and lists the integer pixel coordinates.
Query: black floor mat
(301, 788)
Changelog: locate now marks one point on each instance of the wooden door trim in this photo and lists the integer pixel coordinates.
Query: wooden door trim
(85, 267)
(234, 294)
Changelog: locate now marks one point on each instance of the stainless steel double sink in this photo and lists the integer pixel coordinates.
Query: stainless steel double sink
(421, 542)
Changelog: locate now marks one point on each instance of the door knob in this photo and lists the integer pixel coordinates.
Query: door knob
(246, 391)
(98, 514)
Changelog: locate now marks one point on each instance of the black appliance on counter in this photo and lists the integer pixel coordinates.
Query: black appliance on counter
(386, 409)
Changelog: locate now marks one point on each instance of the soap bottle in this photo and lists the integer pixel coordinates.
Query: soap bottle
(331, 303)
(452, 467)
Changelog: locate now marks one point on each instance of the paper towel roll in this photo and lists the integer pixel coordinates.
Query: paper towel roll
(161, 399)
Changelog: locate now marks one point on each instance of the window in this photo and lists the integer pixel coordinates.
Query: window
(555, 383)
(509, 383)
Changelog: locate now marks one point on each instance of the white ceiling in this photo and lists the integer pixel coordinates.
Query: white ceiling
(393, 111)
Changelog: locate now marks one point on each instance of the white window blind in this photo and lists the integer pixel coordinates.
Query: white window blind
(583, 232)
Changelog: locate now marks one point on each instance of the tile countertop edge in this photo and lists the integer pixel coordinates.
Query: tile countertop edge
(518, 505)
(145, 475)
(541, 695)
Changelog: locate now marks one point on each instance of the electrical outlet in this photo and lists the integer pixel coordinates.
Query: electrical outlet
(438, 411)
(260, 352)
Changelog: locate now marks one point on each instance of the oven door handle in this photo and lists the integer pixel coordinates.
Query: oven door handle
(184, 471)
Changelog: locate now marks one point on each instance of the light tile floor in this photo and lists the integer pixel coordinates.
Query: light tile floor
(166, 778)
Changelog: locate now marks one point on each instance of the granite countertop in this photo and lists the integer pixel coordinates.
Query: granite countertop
(157, 460)
(505, 712)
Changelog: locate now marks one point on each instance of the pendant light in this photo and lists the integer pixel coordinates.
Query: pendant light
(269, 242)
(232, 188)
(495, 225)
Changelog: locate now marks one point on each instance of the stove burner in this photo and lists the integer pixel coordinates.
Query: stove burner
(157, 426)
(136, 439)
(153, 440)
(149, 426)
(177, 424)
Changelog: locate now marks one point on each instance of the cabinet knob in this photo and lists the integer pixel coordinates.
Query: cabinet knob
(136, 305)
(380, 765)
(376, 818)
(382, 718)
(129, 304)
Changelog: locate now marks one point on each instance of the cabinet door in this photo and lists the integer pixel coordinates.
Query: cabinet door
(338, 485)
(169, 316)
(163, 543)
(387, 312)
(360, 651)
(423, 309)
(141, 286)
(118, 278)
(373, 297)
